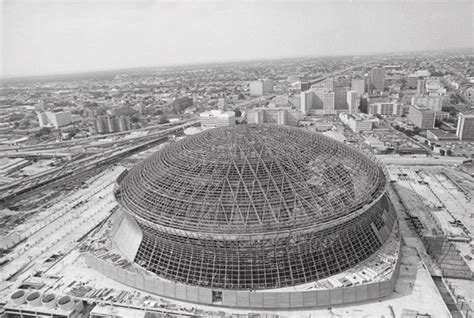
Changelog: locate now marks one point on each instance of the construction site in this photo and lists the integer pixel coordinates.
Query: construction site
(287, 223)
(438, 206)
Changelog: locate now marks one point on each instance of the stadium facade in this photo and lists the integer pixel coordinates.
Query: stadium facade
(252, 209)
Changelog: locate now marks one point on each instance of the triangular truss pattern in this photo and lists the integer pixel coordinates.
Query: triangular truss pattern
(255, 206)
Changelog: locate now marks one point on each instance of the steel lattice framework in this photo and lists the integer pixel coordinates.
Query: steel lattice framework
(256, 206)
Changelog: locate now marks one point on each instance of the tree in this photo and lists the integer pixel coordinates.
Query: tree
(237, 112)
(449, 152)
(134, 118)
(416, 130)
(162, 119)
(441, 152)
(43, 132)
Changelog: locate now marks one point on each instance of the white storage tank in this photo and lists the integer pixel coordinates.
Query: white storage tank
(18, 297)
(49, 300)
(33, 299)
(66, 303)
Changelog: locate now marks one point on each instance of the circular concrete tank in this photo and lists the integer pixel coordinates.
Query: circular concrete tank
(66, 303)
(34, 299)
(49, 300)
(18, 297)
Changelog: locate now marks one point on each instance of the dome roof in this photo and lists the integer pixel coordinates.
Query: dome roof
(250, 179)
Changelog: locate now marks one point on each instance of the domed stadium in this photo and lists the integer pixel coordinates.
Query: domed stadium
(253, 207)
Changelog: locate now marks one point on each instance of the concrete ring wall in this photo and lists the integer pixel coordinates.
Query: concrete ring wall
(244, 298)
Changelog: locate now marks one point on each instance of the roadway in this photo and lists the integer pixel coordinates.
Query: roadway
(73, 168)
(75, 142)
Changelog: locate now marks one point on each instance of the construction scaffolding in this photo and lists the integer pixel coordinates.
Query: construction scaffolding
(256, 207)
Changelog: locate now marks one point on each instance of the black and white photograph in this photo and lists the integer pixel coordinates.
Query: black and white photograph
(236, 158)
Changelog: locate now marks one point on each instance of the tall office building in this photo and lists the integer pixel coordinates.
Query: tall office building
(327, 97)
(99, 125)
(123, 123)
(268, 86)
(329, 101)
(358, 85)
(352, 100)
(465, 129)
(385, 109)
(106, 124)
(305, 86)
(306, 101)
(340, 97)
(420, 86)
(422, 117)
(42, 119)
(261, 87)
(110, 123)
(279, 116)
(56, 119)
(377, 79)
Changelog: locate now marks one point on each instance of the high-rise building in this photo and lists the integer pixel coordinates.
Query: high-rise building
(422, 117)
(217, 118)
(56, 119)
(340, 97)
(99, 125)
(412, 81)
(352, 100)
(358, 85)
(327, 97)
(306, 101)
(59, 119)
(329, 101)
(305, 86)
(420, 86)
(465, 129)
(377, 79)
(384, 109)
(42, 119)
(123, 123)
(267, 86)
(106, 124)
(279, 116)
(110, 123)
(261, 87)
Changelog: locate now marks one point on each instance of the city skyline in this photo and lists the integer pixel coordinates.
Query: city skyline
(47, 37)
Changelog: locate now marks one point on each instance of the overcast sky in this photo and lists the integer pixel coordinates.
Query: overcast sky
(48, 37)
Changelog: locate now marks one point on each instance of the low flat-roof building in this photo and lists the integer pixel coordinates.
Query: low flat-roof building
(440, 135)
(358, 122)
(24, 303)
(217, 118)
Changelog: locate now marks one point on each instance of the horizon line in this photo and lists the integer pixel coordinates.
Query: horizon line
(185, 64)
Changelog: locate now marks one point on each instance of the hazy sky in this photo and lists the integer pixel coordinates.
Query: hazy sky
(47, 37)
